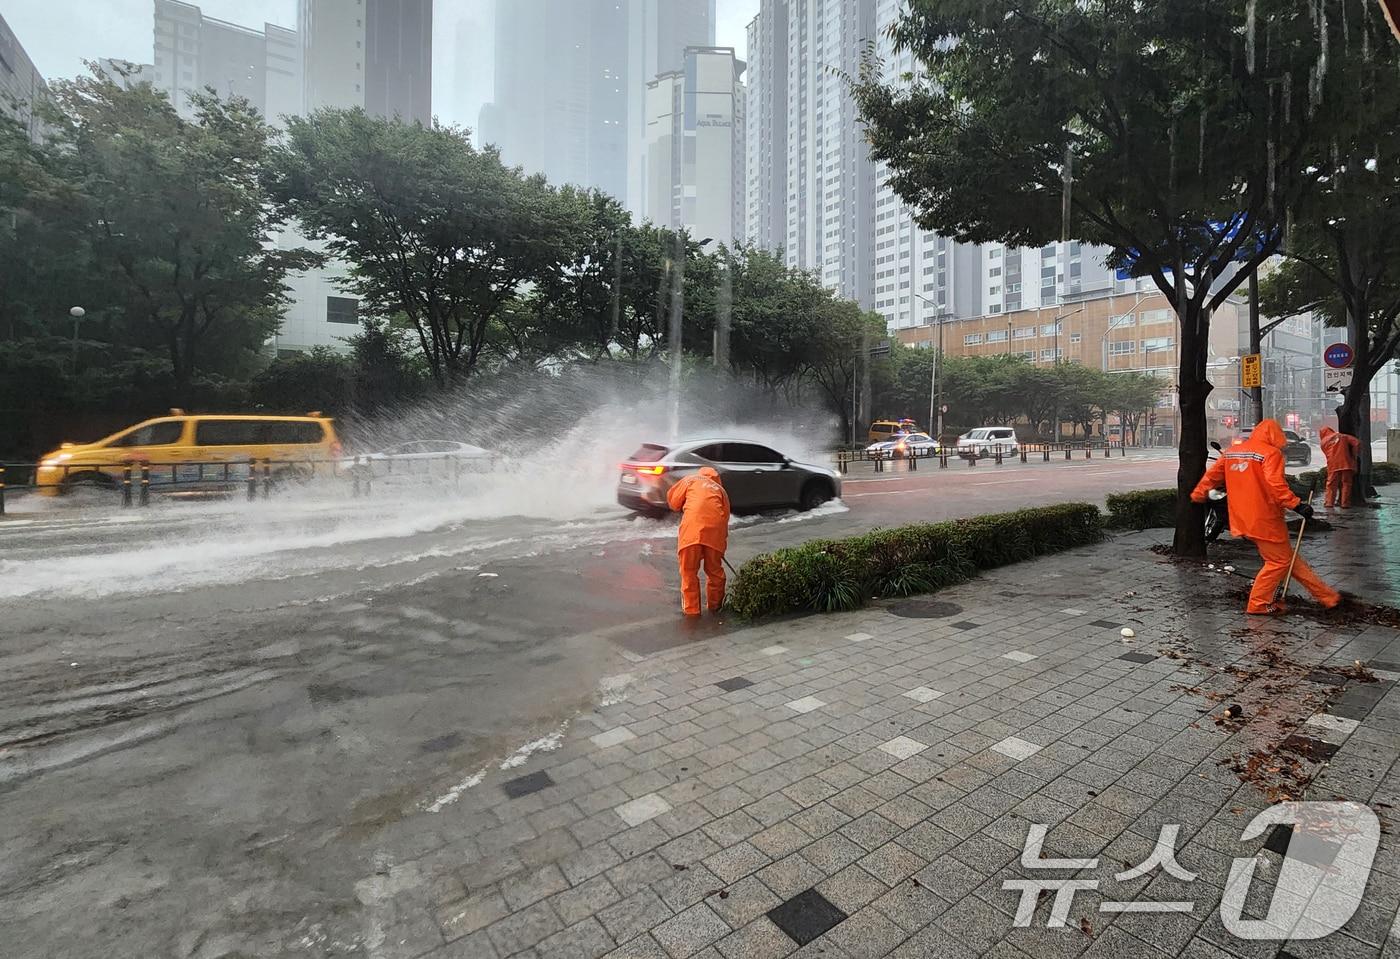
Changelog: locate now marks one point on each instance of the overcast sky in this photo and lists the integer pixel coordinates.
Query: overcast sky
(60, 34)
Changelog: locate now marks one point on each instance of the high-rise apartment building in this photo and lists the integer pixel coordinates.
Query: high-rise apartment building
(194, 52)
(765, 139)
(814, 193)
(21, 86)
(695, 146)
(375, 54)
(570, 85)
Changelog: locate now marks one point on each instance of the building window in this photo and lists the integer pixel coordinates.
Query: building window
(1047, 354)
(342, 309)
(1126, 319)
(994, 291)
(1024, 333)
(994, 271)
(996, 336)
(994, 308)
(1050, 329)
(1075, 337)
(1122, 348)
(1157, 344)
(994, 253)
(972, 339)
(1156, 316)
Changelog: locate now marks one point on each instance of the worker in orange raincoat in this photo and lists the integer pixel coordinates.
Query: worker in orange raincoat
(704, 508)
(1252, 474)
(1340, 450)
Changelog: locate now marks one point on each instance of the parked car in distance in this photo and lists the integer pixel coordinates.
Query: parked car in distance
(755, 476)
(194, 449)
(1296, 452)
(884, 429)
(988, 441)
(901, 444)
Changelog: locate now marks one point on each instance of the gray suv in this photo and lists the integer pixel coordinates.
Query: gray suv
(755, 476)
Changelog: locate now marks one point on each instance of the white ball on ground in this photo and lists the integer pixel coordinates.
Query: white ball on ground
(1127, 632)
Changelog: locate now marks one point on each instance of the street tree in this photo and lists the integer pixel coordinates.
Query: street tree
(178, 222)
(1343, 250)
(835, 353)
(434, 229)
(1130, 396)
(1169, 131)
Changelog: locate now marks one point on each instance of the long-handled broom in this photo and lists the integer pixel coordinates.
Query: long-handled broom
(1288, 576)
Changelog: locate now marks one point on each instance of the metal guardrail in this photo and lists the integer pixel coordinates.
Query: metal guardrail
(995, 452)
(135, 479)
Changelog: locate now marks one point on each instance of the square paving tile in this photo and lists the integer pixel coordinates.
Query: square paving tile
(965, 624)
(922, 694)
(640, 810)
(902, 747)
(806, 704)
(859, 637)
(773, 650)
(612, 737)
(1071, 611)
(1017, 749)
(738, 682)
(1338, 724)
(1016, 656)
(805, 916)
(1325, 678)
(1137, 657)
(1106, 624)
(527, 784)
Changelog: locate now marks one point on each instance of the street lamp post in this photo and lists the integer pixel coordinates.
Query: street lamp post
(77, 313)
(935, 386)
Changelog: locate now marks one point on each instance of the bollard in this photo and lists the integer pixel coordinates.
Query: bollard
(1046, 452)
(355, 479)
(913, 460)
(145, 484)
(998, 456)
(942, 459)
(1088, 452)
(971, 458)
(1023, 454)
(126, 485)
(267, 479)
(456, 473)
(2, 491)
(1068, 451)
(252, 481)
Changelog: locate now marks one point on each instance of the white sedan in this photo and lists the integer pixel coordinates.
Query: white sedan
(900, 444)
(425, 457)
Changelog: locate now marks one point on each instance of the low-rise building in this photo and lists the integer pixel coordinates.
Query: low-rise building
(1137, 333)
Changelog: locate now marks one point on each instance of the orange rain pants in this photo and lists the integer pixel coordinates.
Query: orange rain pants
(1276, 557)
(1339, 486)
(691, 558)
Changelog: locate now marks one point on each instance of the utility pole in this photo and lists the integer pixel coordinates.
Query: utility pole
(1256, 393)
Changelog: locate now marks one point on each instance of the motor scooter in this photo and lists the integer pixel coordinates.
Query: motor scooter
(1217, 508)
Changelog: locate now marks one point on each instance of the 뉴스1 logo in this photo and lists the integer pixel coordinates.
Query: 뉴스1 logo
(1319, 887)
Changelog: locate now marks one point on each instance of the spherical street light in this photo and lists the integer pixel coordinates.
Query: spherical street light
(77, 313)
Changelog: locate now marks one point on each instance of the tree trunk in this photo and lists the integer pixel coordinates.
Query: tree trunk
(1354, 415)
(1194, 388)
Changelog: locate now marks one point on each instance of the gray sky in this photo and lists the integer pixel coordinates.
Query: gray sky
(60, 34)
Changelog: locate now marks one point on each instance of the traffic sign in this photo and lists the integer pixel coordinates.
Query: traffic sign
(1251, 371)
(1338, 356)
(1334, 381)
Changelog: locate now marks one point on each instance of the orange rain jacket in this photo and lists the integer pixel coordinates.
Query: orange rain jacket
(704, 508)
(1252, 474)
(1340, 450)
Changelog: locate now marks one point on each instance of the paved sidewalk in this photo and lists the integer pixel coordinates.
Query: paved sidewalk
(862, 785)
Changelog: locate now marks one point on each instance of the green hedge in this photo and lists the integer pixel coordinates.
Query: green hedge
(831, 575)
(1142, 509)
